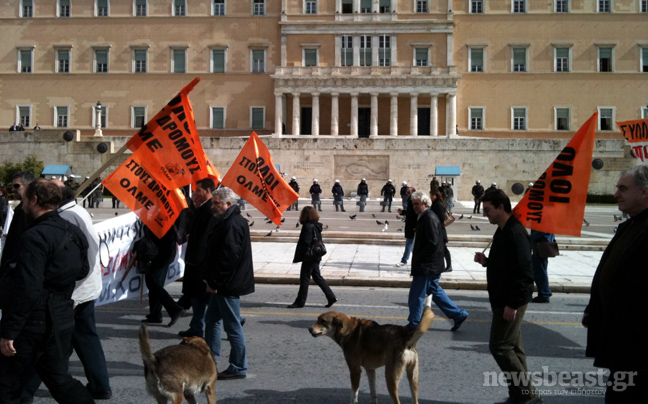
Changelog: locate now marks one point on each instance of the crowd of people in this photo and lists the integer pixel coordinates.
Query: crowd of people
(49, 273)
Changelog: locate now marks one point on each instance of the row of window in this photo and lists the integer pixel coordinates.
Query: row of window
(138, 116)
(562, 59)
(140, 8)
(559, 6)
(562, 118)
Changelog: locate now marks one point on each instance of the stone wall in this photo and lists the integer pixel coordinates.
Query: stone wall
(411, 159)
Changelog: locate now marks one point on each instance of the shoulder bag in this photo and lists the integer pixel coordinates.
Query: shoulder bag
(547, 249)
(449, 219)
(316, 250)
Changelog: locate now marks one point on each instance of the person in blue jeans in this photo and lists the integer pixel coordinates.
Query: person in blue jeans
(427, 266)
(540, 265)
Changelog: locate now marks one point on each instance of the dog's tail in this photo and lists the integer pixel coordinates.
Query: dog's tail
(426, 322)
(145, 348)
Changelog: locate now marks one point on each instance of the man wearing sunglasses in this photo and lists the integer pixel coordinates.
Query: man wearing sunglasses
(19, 222)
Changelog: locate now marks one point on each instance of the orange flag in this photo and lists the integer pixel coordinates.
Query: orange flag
(254, 178)
(556, 202)
(169, 143)
(155, 205)
(636, 133)
(212, 173)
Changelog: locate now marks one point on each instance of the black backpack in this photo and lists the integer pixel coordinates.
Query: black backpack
(145, 252)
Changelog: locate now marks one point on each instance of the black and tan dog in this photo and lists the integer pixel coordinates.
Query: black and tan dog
(369, 345)
(179, 371)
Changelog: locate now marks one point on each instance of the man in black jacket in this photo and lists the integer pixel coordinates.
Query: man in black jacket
(229, 274)
(509, 276)
(387, 192)
(615, 317)
(38, 318)
(19, 222)
(363, 193)
(410, 227)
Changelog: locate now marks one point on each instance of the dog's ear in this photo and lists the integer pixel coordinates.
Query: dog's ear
(340, 325)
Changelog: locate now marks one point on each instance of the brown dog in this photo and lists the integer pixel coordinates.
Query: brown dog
(179, 370)
(369, 345)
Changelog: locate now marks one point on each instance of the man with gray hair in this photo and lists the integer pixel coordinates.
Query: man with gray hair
(427, 266)
(229, 274)
(615, 317)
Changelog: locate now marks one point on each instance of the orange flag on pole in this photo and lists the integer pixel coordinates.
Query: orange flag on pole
(169, 143)
(212, 173)
(254, 178)
(155, 205)
(556, 202)
(636, 133)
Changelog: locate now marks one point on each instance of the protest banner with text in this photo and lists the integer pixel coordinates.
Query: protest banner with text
(636, 133)
(253, 177)
(556, 202)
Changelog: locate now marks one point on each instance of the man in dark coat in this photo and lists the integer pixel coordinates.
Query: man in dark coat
(477, 193)
(338, 195)
(410, 227)
(388, 191)
(295, 186)
(315, 191)
(19, 222)
(192, 284)
(363, 192)
(38, 318)
(427, 266)
(615, 317)
(509, 277)
(229, 274)
(403, 195)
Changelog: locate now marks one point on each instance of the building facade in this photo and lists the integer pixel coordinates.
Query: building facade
(357, 68)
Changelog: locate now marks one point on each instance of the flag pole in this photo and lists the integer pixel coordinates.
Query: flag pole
(489, 243)
(101, 169)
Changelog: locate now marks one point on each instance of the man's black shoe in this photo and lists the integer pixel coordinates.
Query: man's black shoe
(295, 306)
(149, 321)
(539, 299)
(230, 376)
(189, 333)
(99, 395)
(175, 318)
(330, 303)
(458, 322)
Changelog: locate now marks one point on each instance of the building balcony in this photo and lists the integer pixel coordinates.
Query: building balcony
(364, 71)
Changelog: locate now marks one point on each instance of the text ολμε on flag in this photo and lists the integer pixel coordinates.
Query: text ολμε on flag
(169, 143)
(556, 202)
(636, 133)
(157, 206)
(253, 177)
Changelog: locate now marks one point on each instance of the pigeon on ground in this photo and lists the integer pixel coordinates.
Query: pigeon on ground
(472, 227)
(387, 222)
(252, 224)
(386, 227)
(477, 228)
(398, 217)
(326, 227)
(372, 215)
(461, 217)
(470, 217)
(586, 222)
(400, 229)
(269, 234)
(379, 222)
(248, 215)
(283, 219)
(353, 217)
(297, 224)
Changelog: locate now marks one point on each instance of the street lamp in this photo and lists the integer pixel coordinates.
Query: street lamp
(98, 120)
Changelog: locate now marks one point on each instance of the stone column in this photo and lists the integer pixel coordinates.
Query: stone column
(338, 50)
(354, 114)
(356, 50)
(316, 115)
(414, 114)
(374, 50)
(375, 6)
(338, 6)
(434, 115)
(392, 6)
(335, 114)
(393, 115)
(356, 6)
(284, 52)
(296, 112)
(278, 114)
(451, 115)
(449, 50)
(373, 131)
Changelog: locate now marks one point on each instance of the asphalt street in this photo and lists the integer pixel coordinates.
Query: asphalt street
(288, 365)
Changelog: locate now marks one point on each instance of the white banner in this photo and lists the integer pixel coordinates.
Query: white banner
(116, 239)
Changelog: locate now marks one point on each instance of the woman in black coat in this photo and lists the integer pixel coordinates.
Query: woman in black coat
(311, 229)
(439, 207)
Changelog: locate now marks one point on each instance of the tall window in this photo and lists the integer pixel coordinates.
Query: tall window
(644, 6)
(310, 57)
(519, 118)
(422, 6)
(218, 61)
(257, 117)
(63, 60)
(104, 116)
(562, 59)
(477, 6)
(61, 117)
(644, 60)
(606, 118)
(562, 6)
(365, 6)
(258, 61)
(179, 60)
(101, 60)
(384, 7)
(219, 7)
(24, 115)
(347, 50)
(259, 7)
(310, 7)
(26, 8)
(347, 6)
(384, 50)
(25, 60)
(102, 8)
(605, 59)
(476, 118)
(141, 8)
(604, 6)
(63, 8)
(519, 6)
(562, 119)
(365, 50)
(218, 117)
(476, 59)
(140, 59)
(519, 59)
(644, 112)
(179, 8)
(138, 115)
(422, 56)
